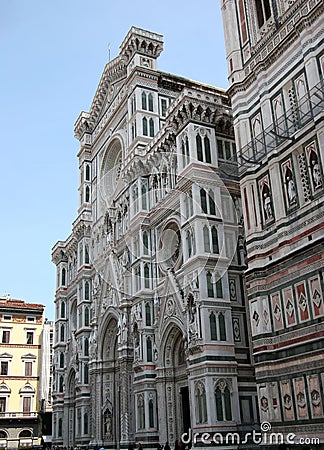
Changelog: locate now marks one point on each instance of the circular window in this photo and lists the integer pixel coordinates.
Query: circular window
(169, 246)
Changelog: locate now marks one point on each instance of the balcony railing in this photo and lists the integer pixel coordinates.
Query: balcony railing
(283, 129)
(18, 415)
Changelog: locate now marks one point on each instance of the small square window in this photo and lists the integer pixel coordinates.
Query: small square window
(6, 318)
(30, 319)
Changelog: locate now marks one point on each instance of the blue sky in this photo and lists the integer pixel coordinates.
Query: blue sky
(52, 55)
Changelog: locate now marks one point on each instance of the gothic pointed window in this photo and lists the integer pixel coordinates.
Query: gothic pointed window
(222, 328)
(189, 243)
(87, 194)
(148, 320)
(149, 352)
(61, 384)
(63, 309)
(201, 405)
(60, 427)
(63, 276)
(219, 288)
(151, 413)
(145, 243)
(150, 102)
(203, 200)
(86, 347)
(87, 172)
(207, 150)
(86, 424)
(140, 412)
(199, 148)
(187, 150)
(145, 132)
(144, 101)
(151, 121)
(212, 324)
(87, 290)
(212, 207)
(146, 276)
(227, 402)
(144, 194)
(62, 333)
(210, 287)
(86, 374)
(214, 239)
(61, 360)
(86, 254)
(219, 404)
(206, 239)
(86, 317)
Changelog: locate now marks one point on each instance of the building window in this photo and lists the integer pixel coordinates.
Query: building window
(148, 319)
(210, 287)
(149, 352)
(144, 101)
(60, 428)
(199, 148)
(150, 102)
(61, 383)
(28, 369)
(201, 405)
(203, 200)
(206, 239)
(29, 337)
(3, 401)
(151, 413)
(145, 243)
(146, 276)
(5, 337)
(207, 150)
(164, 107)
(86, 374)
(222, 327)
(215, 247)
(212, 324)
(151, 121)
(86, 317)
(61, 360)
(219, 404)
(26, 405)
(144, 122)
(62, 310)
(219, 288)
(228, 406)
(4, 368)
(87, 194)
(87, 290)
(62, 333)
(263, 11)
(86, 423)
(203, 151)
(140, 412)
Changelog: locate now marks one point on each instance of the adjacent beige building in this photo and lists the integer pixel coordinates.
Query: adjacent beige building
(21, 326)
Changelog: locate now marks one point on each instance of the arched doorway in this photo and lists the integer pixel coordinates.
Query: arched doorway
(110, 423)
(176, 389)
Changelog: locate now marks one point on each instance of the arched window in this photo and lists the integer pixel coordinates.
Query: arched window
(144, 101)
(201, 406)
(148, 320)
(140, 412)
(219, 404)
(62, 333)
(25, 434)
(210, 287)
(207, 150)
(214, 239)
(86, 347)
(151, 127)
(87, 194)
(63, 277)
(87, 290)
(63, 309)
(150, 102)
(86, 374)
(263, 11)
(149, 352)
(61, 383)
(187, 150)
(183, 152)
(151, 413)
(206, 239)
(135, 198)
(203, 200)
(212, 207)
(3, 434)
(87, 172)
(86, 254)
(145, 133)
(228, 406)
(219, 288)
(189, 243)
(86, 423)
(86, 316)
(60, 430)
(199, 148)
(145, 243)
(212, 324)
(61, 360)
(222, 327)
(146, 276)
(144, 194)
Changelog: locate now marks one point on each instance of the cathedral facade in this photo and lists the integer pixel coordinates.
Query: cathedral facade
(151, 333)
(275, 60)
